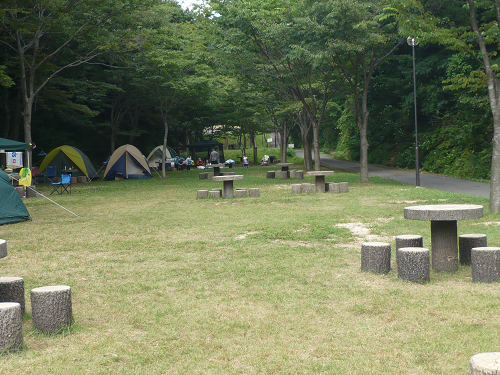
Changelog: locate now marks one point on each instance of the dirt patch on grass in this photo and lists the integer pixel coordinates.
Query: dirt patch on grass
(362, 231)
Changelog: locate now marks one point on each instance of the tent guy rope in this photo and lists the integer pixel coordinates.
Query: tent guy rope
(57, 204)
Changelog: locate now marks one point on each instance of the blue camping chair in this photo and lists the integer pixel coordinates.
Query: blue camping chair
(63, 185)
(50, 173)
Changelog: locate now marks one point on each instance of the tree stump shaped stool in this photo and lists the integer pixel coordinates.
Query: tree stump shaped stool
(203, 176)
(51, 308)
(254, 192)
(376, 257)
(485, 263)
(485, 364)
(11, 332)
(466, 242)
(3, 248)
(271, 174)
(12, 290)
(299, 174)
(414, 264)
(283, 174)
(408, 240)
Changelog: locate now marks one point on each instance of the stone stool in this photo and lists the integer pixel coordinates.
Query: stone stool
(20, 190)
(81, 179)
(344, 187)
(214, 194)
(11, 333)
(308, 188)
(254, 192)
(31, 191)
(240, 193)
(485, 264)
(12, 290)
(3, 248)
(414, 264)
(299, 174)
(466, 242)
(271, 174)
(51, 308)
(296, 188)
(376, 257)
(202, 194)
(292, 173)
(203, 176)
(485, 364)
(283, 174)
(332, 187)
(408, 240)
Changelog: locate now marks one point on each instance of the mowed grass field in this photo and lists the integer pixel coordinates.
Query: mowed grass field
(165, 283)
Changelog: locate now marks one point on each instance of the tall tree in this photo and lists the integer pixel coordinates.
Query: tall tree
(358, 37)
(489, 28)
(51, 36)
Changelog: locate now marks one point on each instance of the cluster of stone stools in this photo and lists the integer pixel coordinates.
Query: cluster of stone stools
(413, 260)
(330, 187)
(294, 173)
(51, 308)
(238, 193)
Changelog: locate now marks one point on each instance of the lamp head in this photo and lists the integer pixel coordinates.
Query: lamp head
(412, 41)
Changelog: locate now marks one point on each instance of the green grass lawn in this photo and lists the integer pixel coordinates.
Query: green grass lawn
(165, 283)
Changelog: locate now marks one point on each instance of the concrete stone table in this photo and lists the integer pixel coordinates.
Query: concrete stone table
(284, 166)
(319, 179)
(443, 218)
(216, 168)
(228, 183)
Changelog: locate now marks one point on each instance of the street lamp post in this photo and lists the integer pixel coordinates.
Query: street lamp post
(414, 42)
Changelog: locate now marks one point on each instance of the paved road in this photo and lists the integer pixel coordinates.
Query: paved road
(457, 185)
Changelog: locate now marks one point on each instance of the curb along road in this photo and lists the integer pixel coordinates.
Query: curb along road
(456, 185)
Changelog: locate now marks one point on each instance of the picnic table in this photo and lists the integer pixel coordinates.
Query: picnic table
(443, 218)
(228, 183)
(216, 168)
(319, 179)
(284, 166)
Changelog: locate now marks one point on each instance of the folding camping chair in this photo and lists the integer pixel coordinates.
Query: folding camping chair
(50, 173)
(63, 185)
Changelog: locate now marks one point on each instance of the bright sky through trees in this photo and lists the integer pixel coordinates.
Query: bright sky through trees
(188, 3)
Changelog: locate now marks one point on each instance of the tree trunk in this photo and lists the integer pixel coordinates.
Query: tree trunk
(306, 140)
(363, 131)
(317, 158)
(165, 124)
(284, 141)
(28, 109)
(363, 173)
(494, 96)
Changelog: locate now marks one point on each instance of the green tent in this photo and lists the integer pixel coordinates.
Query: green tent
(7, 144)
(12, 208)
